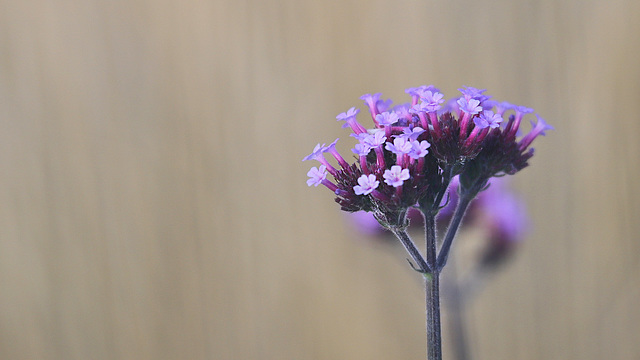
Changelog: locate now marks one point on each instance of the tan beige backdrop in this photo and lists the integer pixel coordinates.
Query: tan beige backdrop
(153, 203)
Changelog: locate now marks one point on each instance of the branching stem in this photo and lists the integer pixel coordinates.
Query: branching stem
(411, 248)
(461, 208)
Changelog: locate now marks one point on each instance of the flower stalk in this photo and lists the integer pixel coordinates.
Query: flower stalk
(432, 291)
(456, 220)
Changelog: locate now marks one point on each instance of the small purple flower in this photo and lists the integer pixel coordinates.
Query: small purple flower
(416, 92)
(361, 149)
(396, 176)
(469, 106)
(400, 146)
(502, 107)
(537, 129)
(470, 92)
(350, 117)
(387, 118)
(425, 88)
(384, 105)
(331, 149)
(411, 134)
(353, 112)
(419, 149)
(431, 101)
(317, 152)
(418, 108)
(488, 119)
(367, 183)
(412, 91)
(317, 175)
(403, 111)
(374, 140)
(521, 110)
(372, 102)
(451, 106)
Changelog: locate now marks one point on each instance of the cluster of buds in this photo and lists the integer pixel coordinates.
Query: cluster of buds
(413, 151)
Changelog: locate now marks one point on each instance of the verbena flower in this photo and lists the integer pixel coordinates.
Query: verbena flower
(316, 175)
(366, 184)
(419, 148)
(396, 176)
(387, 118)
(432, 100)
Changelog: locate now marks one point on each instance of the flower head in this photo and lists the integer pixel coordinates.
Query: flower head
(461, 137)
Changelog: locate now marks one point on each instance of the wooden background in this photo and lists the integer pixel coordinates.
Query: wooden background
(153, 203)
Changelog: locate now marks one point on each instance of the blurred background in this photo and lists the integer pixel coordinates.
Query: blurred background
(153, 202)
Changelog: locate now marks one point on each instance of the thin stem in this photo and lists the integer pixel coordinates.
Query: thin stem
(463, 204)
(408, 244)
(434, 336)
(432, 292)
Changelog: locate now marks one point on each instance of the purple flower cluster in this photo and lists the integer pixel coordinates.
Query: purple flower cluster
(413, 151)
